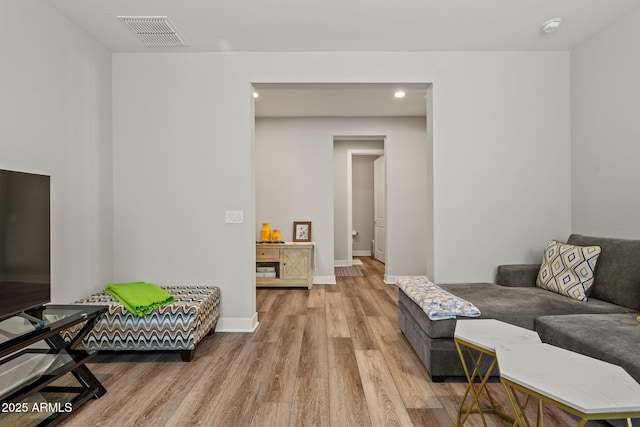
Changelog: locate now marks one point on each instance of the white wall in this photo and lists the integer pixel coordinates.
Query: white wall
(428, 188)
(606, 131)
(55, 119)
(183, 154)
(293, 183)
(303, 187)
(501, 161)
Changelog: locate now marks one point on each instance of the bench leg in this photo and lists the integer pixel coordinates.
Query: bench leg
(212, 330)
(187, 355)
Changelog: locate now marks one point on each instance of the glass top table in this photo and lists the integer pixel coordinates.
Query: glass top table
(33, 355)
(47, 318)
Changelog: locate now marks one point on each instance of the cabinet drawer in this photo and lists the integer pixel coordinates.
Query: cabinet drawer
(267, 254)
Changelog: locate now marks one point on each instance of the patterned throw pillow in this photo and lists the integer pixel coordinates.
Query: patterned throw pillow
(568, 269)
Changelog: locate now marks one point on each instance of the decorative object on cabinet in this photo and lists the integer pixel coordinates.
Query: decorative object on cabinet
(302, 231)
(276, 237)
(284, 265)
(265, 232)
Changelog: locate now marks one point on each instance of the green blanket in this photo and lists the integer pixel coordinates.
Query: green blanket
(139, 298)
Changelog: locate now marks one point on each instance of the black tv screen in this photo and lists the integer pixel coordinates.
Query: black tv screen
(25, 242)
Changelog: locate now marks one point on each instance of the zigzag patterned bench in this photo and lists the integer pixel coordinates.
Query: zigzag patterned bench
(179, 326)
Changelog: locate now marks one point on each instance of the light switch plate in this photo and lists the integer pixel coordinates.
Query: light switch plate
(234, 217)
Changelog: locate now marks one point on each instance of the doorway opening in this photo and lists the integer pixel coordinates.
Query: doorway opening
(359, 199)
(295, 126)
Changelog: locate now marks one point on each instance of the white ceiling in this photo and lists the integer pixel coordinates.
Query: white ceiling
(348, 25)
(351, 25)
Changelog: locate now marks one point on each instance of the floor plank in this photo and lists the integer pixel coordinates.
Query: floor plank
(361, 333)
(313, 360)
(414, 388)
(310, 403)
(383, 399)
(270, 414)
(316, 296)
(346, 395)
(264, 300)
(282, 373)
(337, 325)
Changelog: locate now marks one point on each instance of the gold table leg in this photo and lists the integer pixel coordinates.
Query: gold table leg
(474, 392)
(519, 408)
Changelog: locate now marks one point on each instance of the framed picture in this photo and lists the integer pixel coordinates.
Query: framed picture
(302, 231)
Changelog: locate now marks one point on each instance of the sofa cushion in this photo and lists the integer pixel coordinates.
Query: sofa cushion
(614, 338)
(518, 306)
(517, 275)
(617, 276)
(568, 269)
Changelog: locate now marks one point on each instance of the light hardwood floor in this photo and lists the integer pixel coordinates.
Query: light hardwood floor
(329, 356)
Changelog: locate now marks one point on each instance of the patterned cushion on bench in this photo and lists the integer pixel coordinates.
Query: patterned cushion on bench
(176, 326)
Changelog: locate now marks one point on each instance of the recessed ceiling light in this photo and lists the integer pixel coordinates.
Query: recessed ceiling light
(255, 94)
(399, 94)
(551, 25)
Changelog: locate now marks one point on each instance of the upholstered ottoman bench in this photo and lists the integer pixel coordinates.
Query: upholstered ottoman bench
(178, 326)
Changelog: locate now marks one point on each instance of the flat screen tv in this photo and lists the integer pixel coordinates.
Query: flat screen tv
(25, 242)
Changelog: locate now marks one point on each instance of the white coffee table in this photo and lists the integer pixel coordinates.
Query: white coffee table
(483, 335)
(586, 387)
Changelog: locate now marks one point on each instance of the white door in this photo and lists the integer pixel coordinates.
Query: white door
(379, 202)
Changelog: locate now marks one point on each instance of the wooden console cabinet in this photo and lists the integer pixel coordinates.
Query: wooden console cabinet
(287, 264)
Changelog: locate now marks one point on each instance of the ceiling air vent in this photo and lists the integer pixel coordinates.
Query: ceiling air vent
(154, 31)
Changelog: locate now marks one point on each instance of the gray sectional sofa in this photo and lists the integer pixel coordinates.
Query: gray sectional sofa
(603, 327)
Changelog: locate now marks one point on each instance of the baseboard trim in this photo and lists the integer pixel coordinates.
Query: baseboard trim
(324, 280)
(237, 324)
(390, 280)
(361, 253)
(342, 263)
